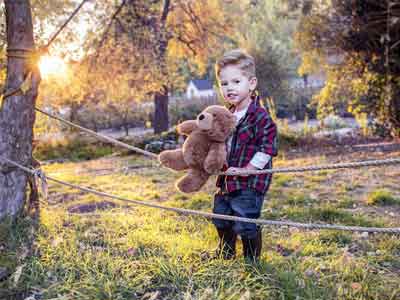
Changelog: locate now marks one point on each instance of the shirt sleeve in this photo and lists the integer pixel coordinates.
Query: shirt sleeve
(260, 160)
(266, 136)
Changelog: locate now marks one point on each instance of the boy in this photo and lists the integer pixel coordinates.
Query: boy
(251, 147)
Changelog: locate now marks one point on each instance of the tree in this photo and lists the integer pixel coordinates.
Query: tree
(356, 43)
(17, 112)
(266, 31)
(155, 37)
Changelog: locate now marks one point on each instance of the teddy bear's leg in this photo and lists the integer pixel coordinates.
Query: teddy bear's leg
(173, 159)
(216, 158)
(192, 181)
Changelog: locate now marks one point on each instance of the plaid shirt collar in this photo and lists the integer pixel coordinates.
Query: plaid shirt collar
(254, 104)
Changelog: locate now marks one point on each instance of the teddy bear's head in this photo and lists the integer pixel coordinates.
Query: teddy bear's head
(217, 121)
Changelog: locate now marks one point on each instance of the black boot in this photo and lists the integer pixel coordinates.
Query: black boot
(252, 247)
(227, 243)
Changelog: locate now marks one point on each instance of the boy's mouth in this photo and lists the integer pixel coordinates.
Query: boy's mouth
(231, 95)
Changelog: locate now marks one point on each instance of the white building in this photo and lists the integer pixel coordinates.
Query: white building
(199, 88)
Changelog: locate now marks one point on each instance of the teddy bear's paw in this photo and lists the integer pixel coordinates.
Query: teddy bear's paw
(212, 169)
(213, 166)
(192, 182)
(172, 159)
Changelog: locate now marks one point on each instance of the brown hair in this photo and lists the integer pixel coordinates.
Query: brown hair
(239, 58)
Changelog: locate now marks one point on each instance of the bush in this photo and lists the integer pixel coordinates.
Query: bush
(71, 149)
(381, 197)
(158, 142)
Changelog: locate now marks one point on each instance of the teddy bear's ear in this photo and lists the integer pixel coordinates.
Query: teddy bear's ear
(187, 127)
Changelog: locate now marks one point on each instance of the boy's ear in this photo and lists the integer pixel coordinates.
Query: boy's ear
(253, 83)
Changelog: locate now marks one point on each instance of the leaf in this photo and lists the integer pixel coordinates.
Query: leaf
(26, 85)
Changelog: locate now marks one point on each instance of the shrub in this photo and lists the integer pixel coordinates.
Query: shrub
(72, 149)
(381, 197)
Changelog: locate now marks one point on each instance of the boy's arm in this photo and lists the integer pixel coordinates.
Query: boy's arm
(266, 140)
(266, 137)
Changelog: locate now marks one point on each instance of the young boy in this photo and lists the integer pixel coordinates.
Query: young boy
(251, 147)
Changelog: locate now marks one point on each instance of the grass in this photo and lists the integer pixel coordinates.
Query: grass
(132, 252)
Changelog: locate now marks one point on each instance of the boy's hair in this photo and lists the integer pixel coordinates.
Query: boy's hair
(239, 58)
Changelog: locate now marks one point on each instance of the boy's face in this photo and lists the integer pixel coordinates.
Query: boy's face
(235, 85)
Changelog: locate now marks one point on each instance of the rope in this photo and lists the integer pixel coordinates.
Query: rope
(388, 161)
(65, 24)
(261, 222)
(100, 136)
(37, 174)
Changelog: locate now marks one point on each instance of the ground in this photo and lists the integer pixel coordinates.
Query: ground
(88, 247)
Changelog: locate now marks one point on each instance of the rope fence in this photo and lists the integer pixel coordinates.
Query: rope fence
(261, 222)
(152, 155)
(40, 176)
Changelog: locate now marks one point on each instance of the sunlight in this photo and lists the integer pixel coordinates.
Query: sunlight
(52, 66)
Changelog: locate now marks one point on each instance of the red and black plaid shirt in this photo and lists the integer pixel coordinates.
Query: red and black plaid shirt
(256, 132)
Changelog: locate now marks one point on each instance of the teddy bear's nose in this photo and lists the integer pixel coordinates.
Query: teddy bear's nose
(201, 117)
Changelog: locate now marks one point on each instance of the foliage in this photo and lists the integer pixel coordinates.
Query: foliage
(267, 34)
(355, 45)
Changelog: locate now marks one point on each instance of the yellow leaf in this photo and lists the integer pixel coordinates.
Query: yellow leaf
(26, 85)
(1, 100)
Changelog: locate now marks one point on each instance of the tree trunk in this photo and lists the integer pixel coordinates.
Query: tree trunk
(161, 119)
(17, 115)
(125, 122)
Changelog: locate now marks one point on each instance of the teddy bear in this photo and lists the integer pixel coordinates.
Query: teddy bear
(204, 152)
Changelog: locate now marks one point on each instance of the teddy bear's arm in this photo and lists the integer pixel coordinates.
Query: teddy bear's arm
(187, 127)
(216, 158)
(173, 159)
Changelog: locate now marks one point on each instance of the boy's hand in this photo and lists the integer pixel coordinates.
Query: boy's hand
(247, 168)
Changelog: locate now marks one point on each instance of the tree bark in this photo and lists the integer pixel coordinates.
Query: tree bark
(161, 118)
(17, 115)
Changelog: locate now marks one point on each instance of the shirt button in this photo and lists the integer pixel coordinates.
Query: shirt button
(234, 177)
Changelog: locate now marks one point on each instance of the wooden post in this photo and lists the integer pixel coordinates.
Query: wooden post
(17, 114)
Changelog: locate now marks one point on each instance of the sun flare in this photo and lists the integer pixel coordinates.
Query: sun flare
(52, 66)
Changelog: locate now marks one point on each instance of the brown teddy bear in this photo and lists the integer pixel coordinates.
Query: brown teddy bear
(204, 151)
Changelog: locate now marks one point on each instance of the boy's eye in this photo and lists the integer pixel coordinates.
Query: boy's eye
(224, 83)
(237, 81)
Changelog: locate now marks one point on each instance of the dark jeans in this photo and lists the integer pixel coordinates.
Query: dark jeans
(241, 203)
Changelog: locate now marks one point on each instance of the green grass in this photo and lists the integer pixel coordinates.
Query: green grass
(133, 252)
